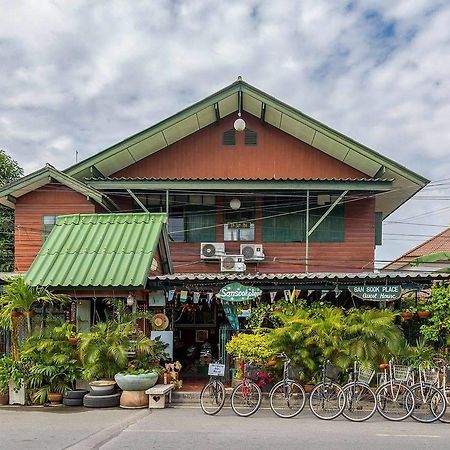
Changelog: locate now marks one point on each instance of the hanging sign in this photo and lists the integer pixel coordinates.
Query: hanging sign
(376, 293)
(236, 292)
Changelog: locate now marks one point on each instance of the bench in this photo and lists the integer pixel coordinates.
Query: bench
(157, 395)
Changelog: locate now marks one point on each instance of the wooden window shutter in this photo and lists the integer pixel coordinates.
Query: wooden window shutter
(229, 137)
(250, 137)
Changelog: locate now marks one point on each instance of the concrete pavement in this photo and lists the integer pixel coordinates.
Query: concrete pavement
(188, 428)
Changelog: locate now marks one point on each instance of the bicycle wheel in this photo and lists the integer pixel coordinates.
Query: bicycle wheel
(212, 397)
(394, 401)
(287, 399)
(445, 418)
(246, 398)
(326, 401)
(360, 402)
(429, 403)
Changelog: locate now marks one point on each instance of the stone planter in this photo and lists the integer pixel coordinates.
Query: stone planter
(16, 398)
(102, 385)
(140, 382)
(134, 400)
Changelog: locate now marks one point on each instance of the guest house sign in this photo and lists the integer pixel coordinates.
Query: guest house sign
(376, 293)
(236, 292)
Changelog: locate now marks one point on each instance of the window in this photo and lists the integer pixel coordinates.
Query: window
(239, 224)
(192, 218)
(229, 137)
(332, 227)
(250, 137)
(48, 222)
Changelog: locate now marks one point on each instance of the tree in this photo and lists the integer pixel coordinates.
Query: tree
(9, 171)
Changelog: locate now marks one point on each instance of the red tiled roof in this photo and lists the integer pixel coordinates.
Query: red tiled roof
(438, 243)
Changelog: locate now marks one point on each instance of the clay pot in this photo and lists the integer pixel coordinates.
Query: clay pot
(55, 398)
(383, 366)
(406, 315)
(74, 340)
(423, 314)
(308, 388)
(4, 399)
(134, 399)
(16, 314)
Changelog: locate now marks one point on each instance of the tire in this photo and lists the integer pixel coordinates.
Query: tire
(395, 401)
(327, 401)
(287, 399)
(360, 402)
(73, 401)
(429, 403)
(101, 401)
(103, 393)
(212, 397)
(246, 398)
(446, 416)
(76, 394)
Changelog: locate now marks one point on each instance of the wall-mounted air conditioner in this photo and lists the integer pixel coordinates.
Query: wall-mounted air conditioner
(212, 250)
(252, 252)
(232, 263)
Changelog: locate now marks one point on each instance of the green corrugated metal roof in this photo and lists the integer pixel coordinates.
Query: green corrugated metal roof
(98, 250)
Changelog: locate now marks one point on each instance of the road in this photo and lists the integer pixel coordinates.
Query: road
(188, 428)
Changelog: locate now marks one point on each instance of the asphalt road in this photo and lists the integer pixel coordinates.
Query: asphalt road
(188, 428)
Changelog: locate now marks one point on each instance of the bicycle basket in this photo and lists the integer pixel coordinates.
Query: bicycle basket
(401, 373)
(251, 371)
(332, 372)
(294, 372)
(431, 376)
(365, 374)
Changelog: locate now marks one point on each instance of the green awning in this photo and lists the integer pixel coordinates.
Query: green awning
(98, 251)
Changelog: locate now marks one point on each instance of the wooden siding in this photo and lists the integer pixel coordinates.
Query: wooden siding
(50, 200)
(354, 254)
(276, 155)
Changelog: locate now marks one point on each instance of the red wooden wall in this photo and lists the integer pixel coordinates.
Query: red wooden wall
(49, 200)
(276, 155)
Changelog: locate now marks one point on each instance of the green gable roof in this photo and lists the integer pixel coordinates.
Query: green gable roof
(10, 192)
(98, 251)
(269, 110)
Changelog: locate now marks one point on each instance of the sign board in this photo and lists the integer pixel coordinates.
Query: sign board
(376, 293)
(236, 292)
(216, 370)
(244, 225)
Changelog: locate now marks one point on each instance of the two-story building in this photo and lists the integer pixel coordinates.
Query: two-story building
(170, 215)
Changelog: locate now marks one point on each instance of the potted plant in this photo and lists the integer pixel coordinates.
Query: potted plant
(11, 382)
(4, 380)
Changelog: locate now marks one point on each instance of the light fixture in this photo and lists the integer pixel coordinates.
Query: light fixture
(130, 299)
(235, 203)
(239, 123)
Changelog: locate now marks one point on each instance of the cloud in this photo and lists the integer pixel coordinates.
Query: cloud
(84, 75)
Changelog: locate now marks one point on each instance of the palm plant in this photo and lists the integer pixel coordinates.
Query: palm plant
(17, 299)
(104, 351)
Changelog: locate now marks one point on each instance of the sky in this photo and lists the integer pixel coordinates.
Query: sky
(81, 76)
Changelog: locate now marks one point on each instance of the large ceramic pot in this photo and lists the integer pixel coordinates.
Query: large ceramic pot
(102, 385)
(140, 382)
(4, 399)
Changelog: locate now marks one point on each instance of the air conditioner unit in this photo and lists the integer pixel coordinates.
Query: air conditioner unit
(252, 252)
(232, 263)
(212, 250)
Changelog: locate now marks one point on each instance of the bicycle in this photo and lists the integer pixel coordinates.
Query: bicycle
(287, 398)
(212, 396)
(246, 396)
(394, 398)
(429, 401)
(444, 386)
(360, 401)
(327, 400)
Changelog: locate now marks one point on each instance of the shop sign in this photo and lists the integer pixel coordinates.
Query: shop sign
(376, 293)
(245, 225)
(236, 292)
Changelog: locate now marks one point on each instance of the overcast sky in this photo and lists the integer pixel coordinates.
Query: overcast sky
(83, 75)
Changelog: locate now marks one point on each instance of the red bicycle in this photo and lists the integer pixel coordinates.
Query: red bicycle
(246, 396)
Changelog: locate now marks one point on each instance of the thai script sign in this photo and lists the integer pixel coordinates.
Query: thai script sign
(376, 293)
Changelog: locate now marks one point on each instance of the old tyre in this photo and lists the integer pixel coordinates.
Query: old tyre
(73, 401)
(76, 394)
(101, 401)
(103, 393)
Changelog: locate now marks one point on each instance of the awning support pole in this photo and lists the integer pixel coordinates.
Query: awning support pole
(307, 232)
(137, 200)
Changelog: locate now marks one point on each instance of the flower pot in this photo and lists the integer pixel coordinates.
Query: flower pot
(102, 385)
(4, 399)
(423, 314)
(16, 398)
(16, 314)
(74, 340)
(55, 398)
(383, 366)
(406, 315)
(308, 388)
(140, 382)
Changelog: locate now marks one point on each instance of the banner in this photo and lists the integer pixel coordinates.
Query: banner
(273, 294)
(170, 295)
(196, 297)
(183, 296)
(287, 295)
